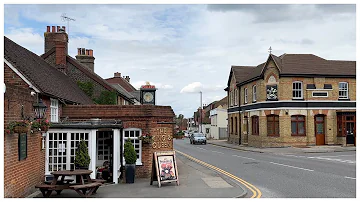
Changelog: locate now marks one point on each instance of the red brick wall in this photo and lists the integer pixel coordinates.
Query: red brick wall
(145, 117)
(20, 177)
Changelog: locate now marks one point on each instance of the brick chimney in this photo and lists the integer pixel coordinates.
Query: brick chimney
(85, 57)
(58, 38)
(117, 74)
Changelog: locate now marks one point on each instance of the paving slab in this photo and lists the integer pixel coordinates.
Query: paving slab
(196, 181)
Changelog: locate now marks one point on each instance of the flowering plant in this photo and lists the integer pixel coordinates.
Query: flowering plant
(18, 127)
(40, 125)
(146, 138)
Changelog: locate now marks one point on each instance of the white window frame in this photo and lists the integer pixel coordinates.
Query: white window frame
(67, 146)
(54, 110)
(236, 97)
(254, 93)
(327, 94)
(346, 89)
(245, 95)
(301, 89)
(139, 160)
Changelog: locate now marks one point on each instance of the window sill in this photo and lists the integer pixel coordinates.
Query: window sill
(292, 135)
(254, 101)
(300, 99)
(343, 99)
(273, 135)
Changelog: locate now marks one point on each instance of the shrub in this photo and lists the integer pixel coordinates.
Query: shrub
(82, 158)
(129, 152)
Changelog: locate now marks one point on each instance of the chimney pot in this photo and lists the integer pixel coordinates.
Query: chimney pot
(91, 52)
(64, 28)
(83, 51)
(47, 28)
(79, 51)
(87, 52)
(57, 28)
(52, 28)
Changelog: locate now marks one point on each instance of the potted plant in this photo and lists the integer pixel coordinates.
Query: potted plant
(130, 160)
(82, 158)
(146, 138)
(18, 126)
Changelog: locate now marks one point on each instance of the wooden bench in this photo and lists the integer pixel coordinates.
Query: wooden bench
(97, 181)
(83, 188)
(58, 189)
(46, 189)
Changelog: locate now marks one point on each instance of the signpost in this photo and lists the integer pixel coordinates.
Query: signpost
(164, 168)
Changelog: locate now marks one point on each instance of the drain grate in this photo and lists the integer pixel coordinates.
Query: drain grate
(251, 163)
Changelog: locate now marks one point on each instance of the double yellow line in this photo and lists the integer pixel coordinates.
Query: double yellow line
(256, 192)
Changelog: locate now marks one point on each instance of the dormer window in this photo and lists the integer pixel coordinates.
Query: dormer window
(297, 90)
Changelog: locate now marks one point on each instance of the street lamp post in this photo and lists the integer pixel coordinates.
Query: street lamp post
(200, 112)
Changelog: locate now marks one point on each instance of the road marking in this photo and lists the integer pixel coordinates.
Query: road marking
(256, 192)
(217, 152)
(350, 178)
(201, 148)
(294, 156)
(329, 159)
(290, 166)
(243, 157)
(337, 155)
(228, 148)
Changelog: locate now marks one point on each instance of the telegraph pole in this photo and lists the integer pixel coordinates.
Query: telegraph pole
(200, 112)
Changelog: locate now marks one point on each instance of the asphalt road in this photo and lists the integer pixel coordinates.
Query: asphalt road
(315, 175)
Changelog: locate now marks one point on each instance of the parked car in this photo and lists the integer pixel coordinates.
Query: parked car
(197, 138)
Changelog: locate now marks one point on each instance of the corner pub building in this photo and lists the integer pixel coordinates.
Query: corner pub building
(292, 100)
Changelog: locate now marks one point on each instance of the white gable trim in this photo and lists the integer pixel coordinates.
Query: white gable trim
(21, 76)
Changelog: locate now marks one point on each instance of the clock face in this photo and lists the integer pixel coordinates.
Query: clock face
(148, 97)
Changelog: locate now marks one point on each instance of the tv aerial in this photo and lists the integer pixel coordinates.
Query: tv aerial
(67, 19)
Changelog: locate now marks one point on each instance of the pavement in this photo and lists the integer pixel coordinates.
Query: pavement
(196, 181)
(284, 150)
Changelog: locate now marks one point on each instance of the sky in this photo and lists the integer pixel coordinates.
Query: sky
(185, 49)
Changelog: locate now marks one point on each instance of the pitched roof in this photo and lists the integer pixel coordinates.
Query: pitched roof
(136, 94)
(42, 75)
(296, 65)
(121, 90)
(122, 82)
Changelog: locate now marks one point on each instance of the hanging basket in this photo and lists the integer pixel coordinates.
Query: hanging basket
(147, 141)
(44, 128)
(21, 129)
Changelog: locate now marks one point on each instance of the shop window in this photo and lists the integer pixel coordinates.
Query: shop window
(61, 149)
(343, 90)
(255, 125)
(273, 125)
(298, 125)
(133, 135)
(297, 90)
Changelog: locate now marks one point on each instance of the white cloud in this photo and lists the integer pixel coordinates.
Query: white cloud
(175, 45)
(194, 87)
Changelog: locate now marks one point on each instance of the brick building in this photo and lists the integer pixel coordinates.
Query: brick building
(28, 78)
(291, 100)
(53, 78)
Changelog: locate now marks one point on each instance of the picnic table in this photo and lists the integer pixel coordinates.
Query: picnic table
(81, 187)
